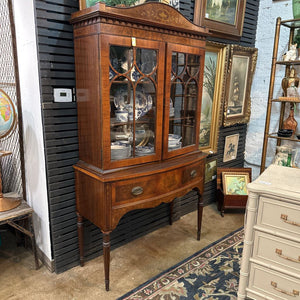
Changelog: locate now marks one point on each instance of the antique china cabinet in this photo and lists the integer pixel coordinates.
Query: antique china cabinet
(139, 74)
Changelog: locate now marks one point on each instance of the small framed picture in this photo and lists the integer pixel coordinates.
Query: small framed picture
(235, 183)
(231, 147)
(210, 170)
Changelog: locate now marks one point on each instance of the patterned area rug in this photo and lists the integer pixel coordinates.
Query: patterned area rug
(212, 273)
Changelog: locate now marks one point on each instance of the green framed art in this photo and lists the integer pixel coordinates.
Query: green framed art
(235, 183)
(224, 18)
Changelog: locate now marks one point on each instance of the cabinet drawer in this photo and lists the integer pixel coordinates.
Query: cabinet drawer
(282, 253)
(192, 173)
(154, 185)
(279, 216)
(273, 284)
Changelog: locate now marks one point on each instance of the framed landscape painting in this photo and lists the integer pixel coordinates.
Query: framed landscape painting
(235, 183)
(224, 18)
(216, 56)
(237, 104)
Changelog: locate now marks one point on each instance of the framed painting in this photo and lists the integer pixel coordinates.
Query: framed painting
(231, 147)
(224, 18)
(235, 183)
(87, 3)
(210, 170)
(216, 57)
(237, 104)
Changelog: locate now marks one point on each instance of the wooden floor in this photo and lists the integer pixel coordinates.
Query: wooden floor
(131, 264)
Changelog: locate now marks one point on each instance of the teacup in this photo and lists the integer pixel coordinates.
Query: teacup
(121, 116)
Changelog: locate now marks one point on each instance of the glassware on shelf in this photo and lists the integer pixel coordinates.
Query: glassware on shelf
(290, 122)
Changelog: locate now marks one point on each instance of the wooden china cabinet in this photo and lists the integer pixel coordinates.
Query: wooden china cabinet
(139, 74)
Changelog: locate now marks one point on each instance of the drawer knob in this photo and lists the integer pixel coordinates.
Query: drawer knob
(193, 173)
(285, 219)
(279, 252)
(137, 190)
(294, 293)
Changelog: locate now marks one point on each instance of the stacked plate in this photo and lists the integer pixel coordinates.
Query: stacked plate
(285, 132)
(174, 141)
(144, 150)
(120, 150)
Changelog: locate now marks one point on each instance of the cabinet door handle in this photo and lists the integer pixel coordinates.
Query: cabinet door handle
(137, 190)
(193, 173)
(294, 293)
(279, 252)
(285, 219)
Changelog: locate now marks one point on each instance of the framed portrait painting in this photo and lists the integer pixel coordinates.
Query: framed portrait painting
(235, 183)
(231, 147)
(224, 18)
(216, 57)
(237, 104)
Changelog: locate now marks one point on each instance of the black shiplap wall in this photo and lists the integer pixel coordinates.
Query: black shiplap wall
(56, 60)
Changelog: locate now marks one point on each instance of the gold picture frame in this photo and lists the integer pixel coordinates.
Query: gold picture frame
(225, 19)
(241, 67)
(235, 183)
(231, 147)
(216, 58)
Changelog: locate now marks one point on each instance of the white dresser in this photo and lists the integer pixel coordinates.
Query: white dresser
(270, 266)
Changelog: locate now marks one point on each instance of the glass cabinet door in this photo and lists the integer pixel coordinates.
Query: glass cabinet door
(135, 107)
(184, 86)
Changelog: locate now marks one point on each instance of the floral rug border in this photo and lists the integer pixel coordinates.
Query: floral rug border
(182, 269)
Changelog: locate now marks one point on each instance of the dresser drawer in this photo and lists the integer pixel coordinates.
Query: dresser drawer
(147, 187)
(282, 253)
(272, 284)
(279, 216)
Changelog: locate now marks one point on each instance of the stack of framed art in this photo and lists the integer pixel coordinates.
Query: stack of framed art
(232, 188)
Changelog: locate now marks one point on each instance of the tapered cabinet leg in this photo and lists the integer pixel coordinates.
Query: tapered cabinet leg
(106, 255)
(80, 238)
(200, 212)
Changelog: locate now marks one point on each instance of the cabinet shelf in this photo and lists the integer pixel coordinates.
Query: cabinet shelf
(137, 122)
(288, 63)
(275, 136)
(293, 23)
(287, 99)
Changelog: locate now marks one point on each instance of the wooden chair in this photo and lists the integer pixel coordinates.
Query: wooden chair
(12, 218)
(230, 201)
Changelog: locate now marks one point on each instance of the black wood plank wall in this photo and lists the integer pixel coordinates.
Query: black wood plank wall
(56, 60)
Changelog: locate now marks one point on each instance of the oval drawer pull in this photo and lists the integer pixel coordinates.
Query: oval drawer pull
(285, 219)
(137, 190)
(294, 293)
(193, 173)
(279, 252)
